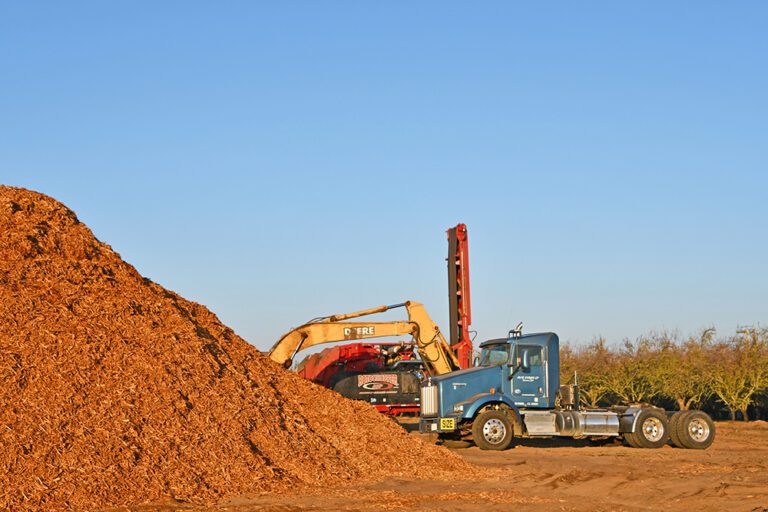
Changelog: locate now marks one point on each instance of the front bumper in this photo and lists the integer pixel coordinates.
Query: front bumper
(438, 425)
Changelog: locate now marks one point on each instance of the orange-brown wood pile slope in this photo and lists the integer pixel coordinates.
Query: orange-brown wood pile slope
(114, 390)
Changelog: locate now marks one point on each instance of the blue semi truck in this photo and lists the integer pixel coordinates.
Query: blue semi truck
(514, 391)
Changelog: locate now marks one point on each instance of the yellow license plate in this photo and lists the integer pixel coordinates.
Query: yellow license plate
(447, 423)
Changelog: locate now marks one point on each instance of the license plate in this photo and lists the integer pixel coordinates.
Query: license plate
(447, 423)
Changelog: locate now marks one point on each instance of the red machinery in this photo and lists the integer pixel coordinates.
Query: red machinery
(386, 375)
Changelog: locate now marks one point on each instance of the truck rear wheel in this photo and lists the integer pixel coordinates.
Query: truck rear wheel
(652, 430)
(696, 430)
(674, 421)
(492, 430)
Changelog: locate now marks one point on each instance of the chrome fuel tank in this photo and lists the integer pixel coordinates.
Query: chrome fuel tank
(586, 423)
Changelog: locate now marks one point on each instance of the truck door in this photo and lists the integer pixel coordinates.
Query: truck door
(529, 381)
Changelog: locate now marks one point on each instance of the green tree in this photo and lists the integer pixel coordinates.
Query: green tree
(630, 374)
(590, 364)
(682, 372)
(739, 370)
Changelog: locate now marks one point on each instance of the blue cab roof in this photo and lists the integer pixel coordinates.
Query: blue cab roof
(544, 336)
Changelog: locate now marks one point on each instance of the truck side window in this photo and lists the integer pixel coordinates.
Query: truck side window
(534, 355)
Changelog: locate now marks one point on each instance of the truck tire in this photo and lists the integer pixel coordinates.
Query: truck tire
(492, 430)
(674, 421)
(652, 430)
(696, 430)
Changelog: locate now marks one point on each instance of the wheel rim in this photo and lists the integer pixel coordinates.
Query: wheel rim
(698, 430)
(653, 429)
(494, 431)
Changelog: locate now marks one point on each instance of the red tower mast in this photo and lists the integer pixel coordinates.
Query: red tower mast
(458, 294)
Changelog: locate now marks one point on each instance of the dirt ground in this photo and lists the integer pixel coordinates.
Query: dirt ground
(560, 475)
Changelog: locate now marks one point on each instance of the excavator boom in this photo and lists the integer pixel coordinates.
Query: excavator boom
(432, 347)
(309, 335)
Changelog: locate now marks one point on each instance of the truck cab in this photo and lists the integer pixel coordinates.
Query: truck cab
(519, 372)
(514, 391)
(529, 367)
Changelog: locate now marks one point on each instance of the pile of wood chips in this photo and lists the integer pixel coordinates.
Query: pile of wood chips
(116, 391)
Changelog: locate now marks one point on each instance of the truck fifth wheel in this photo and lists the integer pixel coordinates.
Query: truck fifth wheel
(514, 391)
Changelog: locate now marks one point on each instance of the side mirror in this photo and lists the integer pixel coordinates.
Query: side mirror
(476, 361)
(526, 363)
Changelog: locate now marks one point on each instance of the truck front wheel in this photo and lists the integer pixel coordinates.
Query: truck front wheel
(492, 430)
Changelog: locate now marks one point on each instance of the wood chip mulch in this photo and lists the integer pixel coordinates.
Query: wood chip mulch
(115, 391)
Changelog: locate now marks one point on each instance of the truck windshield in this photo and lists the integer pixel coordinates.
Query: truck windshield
(494, 355)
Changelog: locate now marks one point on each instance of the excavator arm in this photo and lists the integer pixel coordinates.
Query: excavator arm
(432, 347)
(309, 335)
(437, 356)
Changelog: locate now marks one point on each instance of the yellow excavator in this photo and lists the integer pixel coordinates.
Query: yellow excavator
(434, 352)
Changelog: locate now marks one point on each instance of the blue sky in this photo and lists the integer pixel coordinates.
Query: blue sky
(280, 161)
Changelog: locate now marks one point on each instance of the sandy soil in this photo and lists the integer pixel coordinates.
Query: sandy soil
(564, 475)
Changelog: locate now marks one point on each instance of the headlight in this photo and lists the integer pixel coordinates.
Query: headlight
(458, 408)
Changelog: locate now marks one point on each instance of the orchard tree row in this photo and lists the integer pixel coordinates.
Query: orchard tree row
(725, 376)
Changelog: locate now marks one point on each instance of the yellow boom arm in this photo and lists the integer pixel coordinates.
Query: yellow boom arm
(432, 347)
